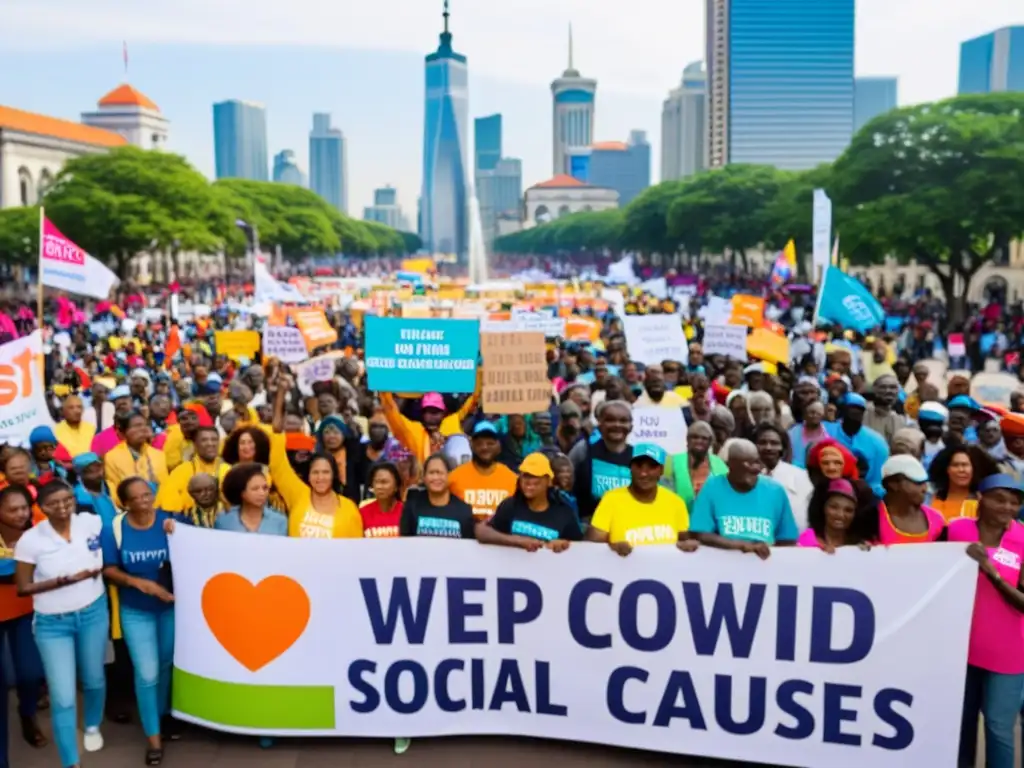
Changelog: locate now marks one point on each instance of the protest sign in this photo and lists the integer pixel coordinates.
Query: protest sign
(539, 322)
(22, 393)
(318, 369)
(804, 659)
(515, 373)
(314, 326)
(994, 387)
(237, 344)
(764, 344)
(284, 342)
(725, 339)
(956, 347)
(653, 338)
(665, 427)
(406, 355)
(747, 310)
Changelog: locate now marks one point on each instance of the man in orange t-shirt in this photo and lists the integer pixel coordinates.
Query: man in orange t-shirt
(483, 483)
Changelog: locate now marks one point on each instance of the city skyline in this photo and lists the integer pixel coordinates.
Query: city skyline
(186, 63)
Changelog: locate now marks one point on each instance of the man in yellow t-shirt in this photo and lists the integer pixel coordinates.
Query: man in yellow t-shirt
(643, 512)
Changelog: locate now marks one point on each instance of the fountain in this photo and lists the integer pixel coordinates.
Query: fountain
(477, 244)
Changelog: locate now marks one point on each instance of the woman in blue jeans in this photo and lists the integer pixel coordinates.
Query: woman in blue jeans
(136, 558)
(58, 564)
(16, 517)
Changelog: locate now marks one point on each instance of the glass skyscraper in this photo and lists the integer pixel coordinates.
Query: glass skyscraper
(780, 81)
(573, 116)
(872, 96)
(993, 62)
(240, 140)
(286, 169)
(328, 162)
(624, 167)
(487, 142)
(444, 215)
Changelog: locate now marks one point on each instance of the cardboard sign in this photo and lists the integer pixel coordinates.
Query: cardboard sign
(665, 427)
(747, 310)
(654, 338)
(284, 342)
(725, 339)
(515, 373)
(404, 355)
(237, 344)
(768, 346)
(314, 326)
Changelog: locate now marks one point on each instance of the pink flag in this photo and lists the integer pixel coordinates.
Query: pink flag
(65, 266)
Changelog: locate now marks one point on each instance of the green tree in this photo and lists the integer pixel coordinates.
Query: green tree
(789, 216)
(940, 183)
(645, 226)
(411, 241)
(19, 235)
(725, 209)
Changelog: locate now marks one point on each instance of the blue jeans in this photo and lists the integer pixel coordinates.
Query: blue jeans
(998, 698)
(74, 645)
(149, 636)
(28, 674)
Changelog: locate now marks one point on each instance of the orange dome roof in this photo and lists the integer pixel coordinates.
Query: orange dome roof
(127, 96)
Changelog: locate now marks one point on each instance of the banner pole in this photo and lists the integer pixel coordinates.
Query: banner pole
(39, 295)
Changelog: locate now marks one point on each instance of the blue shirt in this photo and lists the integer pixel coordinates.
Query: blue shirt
(761, 514)
(871, 446)
(141, 555)
(96, 503)
(272, 524)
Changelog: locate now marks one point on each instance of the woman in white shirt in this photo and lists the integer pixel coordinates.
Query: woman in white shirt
(58, 564)
(773, 446)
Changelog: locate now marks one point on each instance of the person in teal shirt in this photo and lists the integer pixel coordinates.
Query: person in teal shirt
(687, 472)
(862, 440)
(743, 510)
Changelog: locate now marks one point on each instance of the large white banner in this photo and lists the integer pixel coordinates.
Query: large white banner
(848, 660)
(22, 393)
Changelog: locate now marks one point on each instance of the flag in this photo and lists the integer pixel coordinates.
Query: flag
(835, 252)
(65, 266)
(782, 271)
(271, 290)
(845, 301)
(790, 253)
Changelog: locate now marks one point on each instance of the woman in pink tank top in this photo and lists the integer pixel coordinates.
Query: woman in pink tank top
(995, 659)
(841, 513)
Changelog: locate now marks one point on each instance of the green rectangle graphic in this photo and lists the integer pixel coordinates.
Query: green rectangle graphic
(260, 707)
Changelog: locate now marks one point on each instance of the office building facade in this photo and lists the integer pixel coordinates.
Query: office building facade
(445, 202)
(286, 169)
(573, 114)
(780, 81)
(993, 63)
(240, 140)
(385, 209)
(682, 126)
(500, 192)
(487, 142)
(328, 162)
(873, 96)
(622, 166)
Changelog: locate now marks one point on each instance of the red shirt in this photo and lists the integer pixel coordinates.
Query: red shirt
(378, 524)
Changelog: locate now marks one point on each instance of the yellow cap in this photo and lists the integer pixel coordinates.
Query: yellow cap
(536, 464)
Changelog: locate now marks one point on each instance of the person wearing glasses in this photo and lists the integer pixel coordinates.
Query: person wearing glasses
(58, 564)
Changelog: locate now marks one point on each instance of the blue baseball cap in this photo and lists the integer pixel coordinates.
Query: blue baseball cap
(1000, 482)
(964, 401)
(649, 451)
(485, 428)
(853, 400)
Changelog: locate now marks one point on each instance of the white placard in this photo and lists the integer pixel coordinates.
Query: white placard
(538, 322)
(658, 287)
(285, 342)
(725, 339)
(665, 427)
(654, 338)
(822, 230)
(803, 659)
(312, 371)
(718, 310)
(615, 300)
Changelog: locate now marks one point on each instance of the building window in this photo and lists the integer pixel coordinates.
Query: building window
(542, 215)
(45, 181)
(25, 188)
(563, 211)
(156, 140)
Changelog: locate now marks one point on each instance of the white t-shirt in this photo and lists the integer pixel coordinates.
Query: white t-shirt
(52, 556)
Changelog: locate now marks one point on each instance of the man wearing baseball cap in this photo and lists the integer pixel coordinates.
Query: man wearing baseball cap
(852, 433)
(643, 512)
(483, 482)
(931, 418)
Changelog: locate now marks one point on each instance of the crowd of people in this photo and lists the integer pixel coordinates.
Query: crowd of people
(840, 448)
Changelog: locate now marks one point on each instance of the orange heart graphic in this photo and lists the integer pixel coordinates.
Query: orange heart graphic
(255, 624)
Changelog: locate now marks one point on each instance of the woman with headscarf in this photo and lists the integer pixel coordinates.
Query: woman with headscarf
(341, 440)
(830, 460)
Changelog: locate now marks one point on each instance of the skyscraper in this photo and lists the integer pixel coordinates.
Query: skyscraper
(385, 209)
(328, 162)
(682, 126)
(445, 201)
(500, 192)
(286, 169)
(240, 140)
(872, 96)
(573, 120)
(780, 81)
(993, 62)
(624, 167)
(487, 142)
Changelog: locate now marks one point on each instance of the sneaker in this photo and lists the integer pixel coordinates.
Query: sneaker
(402, 746)
(92, 741)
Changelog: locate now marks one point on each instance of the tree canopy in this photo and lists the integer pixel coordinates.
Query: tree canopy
(127, 201)
(940, 183)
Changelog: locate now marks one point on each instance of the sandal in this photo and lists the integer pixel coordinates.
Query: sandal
(154, 756)
(32, 734)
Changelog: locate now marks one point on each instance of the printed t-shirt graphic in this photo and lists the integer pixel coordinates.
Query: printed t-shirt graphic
(558, 521)
(483, 491)
(624, 518)
(761, 514)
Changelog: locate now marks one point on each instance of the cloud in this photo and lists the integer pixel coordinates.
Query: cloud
(640, 46)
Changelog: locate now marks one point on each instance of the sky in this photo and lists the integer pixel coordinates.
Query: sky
(363, 62)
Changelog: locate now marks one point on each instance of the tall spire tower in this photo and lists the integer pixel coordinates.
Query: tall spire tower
(573, 114)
